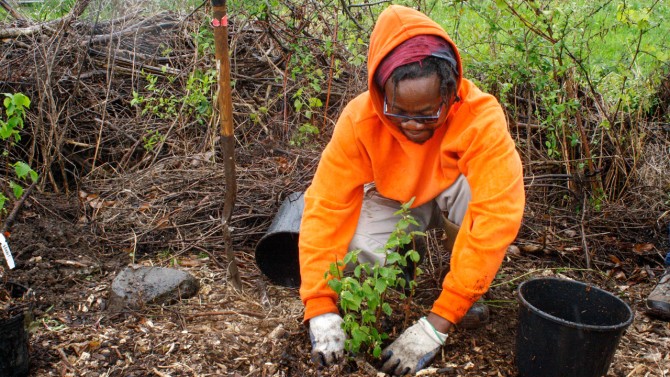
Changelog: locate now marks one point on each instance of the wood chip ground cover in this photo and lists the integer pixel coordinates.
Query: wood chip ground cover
(258, 332)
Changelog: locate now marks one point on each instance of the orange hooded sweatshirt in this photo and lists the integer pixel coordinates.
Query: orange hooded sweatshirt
(366, 147)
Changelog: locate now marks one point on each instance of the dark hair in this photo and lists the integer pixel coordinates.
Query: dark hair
(445, 71)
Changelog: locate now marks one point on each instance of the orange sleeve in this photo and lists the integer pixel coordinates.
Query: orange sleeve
(332, 207)
(493, 168)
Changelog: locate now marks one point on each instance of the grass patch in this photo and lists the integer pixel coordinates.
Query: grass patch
(616, 47)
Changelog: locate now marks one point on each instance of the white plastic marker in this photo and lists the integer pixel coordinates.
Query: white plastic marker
(7, 252)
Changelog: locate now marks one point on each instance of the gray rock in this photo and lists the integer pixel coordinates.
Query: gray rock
(137, 286)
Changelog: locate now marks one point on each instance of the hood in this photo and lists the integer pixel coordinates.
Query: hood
(395, 25)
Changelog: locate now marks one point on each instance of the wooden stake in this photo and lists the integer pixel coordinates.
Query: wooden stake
(227, 142)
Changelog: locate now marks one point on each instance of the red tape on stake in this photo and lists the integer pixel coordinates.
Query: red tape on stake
(220, 23)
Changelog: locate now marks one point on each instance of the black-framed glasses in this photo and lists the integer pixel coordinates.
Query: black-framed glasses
(423, 119)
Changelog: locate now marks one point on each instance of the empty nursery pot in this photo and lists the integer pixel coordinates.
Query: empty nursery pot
(567, 328)
(14, 357)
(277, 251)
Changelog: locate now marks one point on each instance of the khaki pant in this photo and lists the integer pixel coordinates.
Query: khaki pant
(377, 221)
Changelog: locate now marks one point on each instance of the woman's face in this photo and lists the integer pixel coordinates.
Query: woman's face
(415, 107)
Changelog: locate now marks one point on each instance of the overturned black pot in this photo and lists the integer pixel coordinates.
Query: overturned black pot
(277, 251)
(14, 357)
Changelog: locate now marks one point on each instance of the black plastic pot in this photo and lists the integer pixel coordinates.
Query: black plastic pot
(14, 357)
(567, 328)
(277, 252)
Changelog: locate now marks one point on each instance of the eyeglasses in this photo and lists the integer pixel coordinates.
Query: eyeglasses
(423, 119)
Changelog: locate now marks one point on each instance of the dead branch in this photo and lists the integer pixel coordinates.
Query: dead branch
(49, 27)
(133, 65)
(135, 29)
(30, 30)
(227, 313)
(17, 206)
(13, 12)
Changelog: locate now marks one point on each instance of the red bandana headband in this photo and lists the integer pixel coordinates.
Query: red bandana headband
(414, 50)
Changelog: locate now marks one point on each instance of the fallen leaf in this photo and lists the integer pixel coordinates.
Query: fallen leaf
(641, 248)
(570, 233)
(95, 203)
(189, 262)
(530, 249)
(163, 222)
(513, 250)
(620, 275)
(93, 345)
(614, 260)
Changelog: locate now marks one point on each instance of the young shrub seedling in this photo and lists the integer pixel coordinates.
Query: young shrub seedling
(10, 127)
(363, 293)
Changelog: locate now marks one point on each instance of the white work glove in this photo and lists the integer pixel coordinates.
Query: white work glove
(413, 350)
(327, 336)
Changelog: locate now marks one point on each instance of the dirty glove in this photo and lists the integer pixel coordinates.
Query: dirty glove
(413, 350)
(327, 336)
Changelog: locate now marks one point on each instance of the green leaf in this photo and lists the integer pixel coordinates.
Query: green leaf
(22, 169)
(3, 200)
(643, 24)
(393, 258)
(349, 321)
(22, 100)
(360, 333)
(384, 272)
(412, 221)
(10, 108)
(393, 242)
(335, 285)
(5, 132)
(14, 122)
(386, 308)
(333, 271)
(367, 288)
(380, 286)
(353, 302)
(16, 188)
(417, 233)
(377, 351)
(369, 317)
(350, 257)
